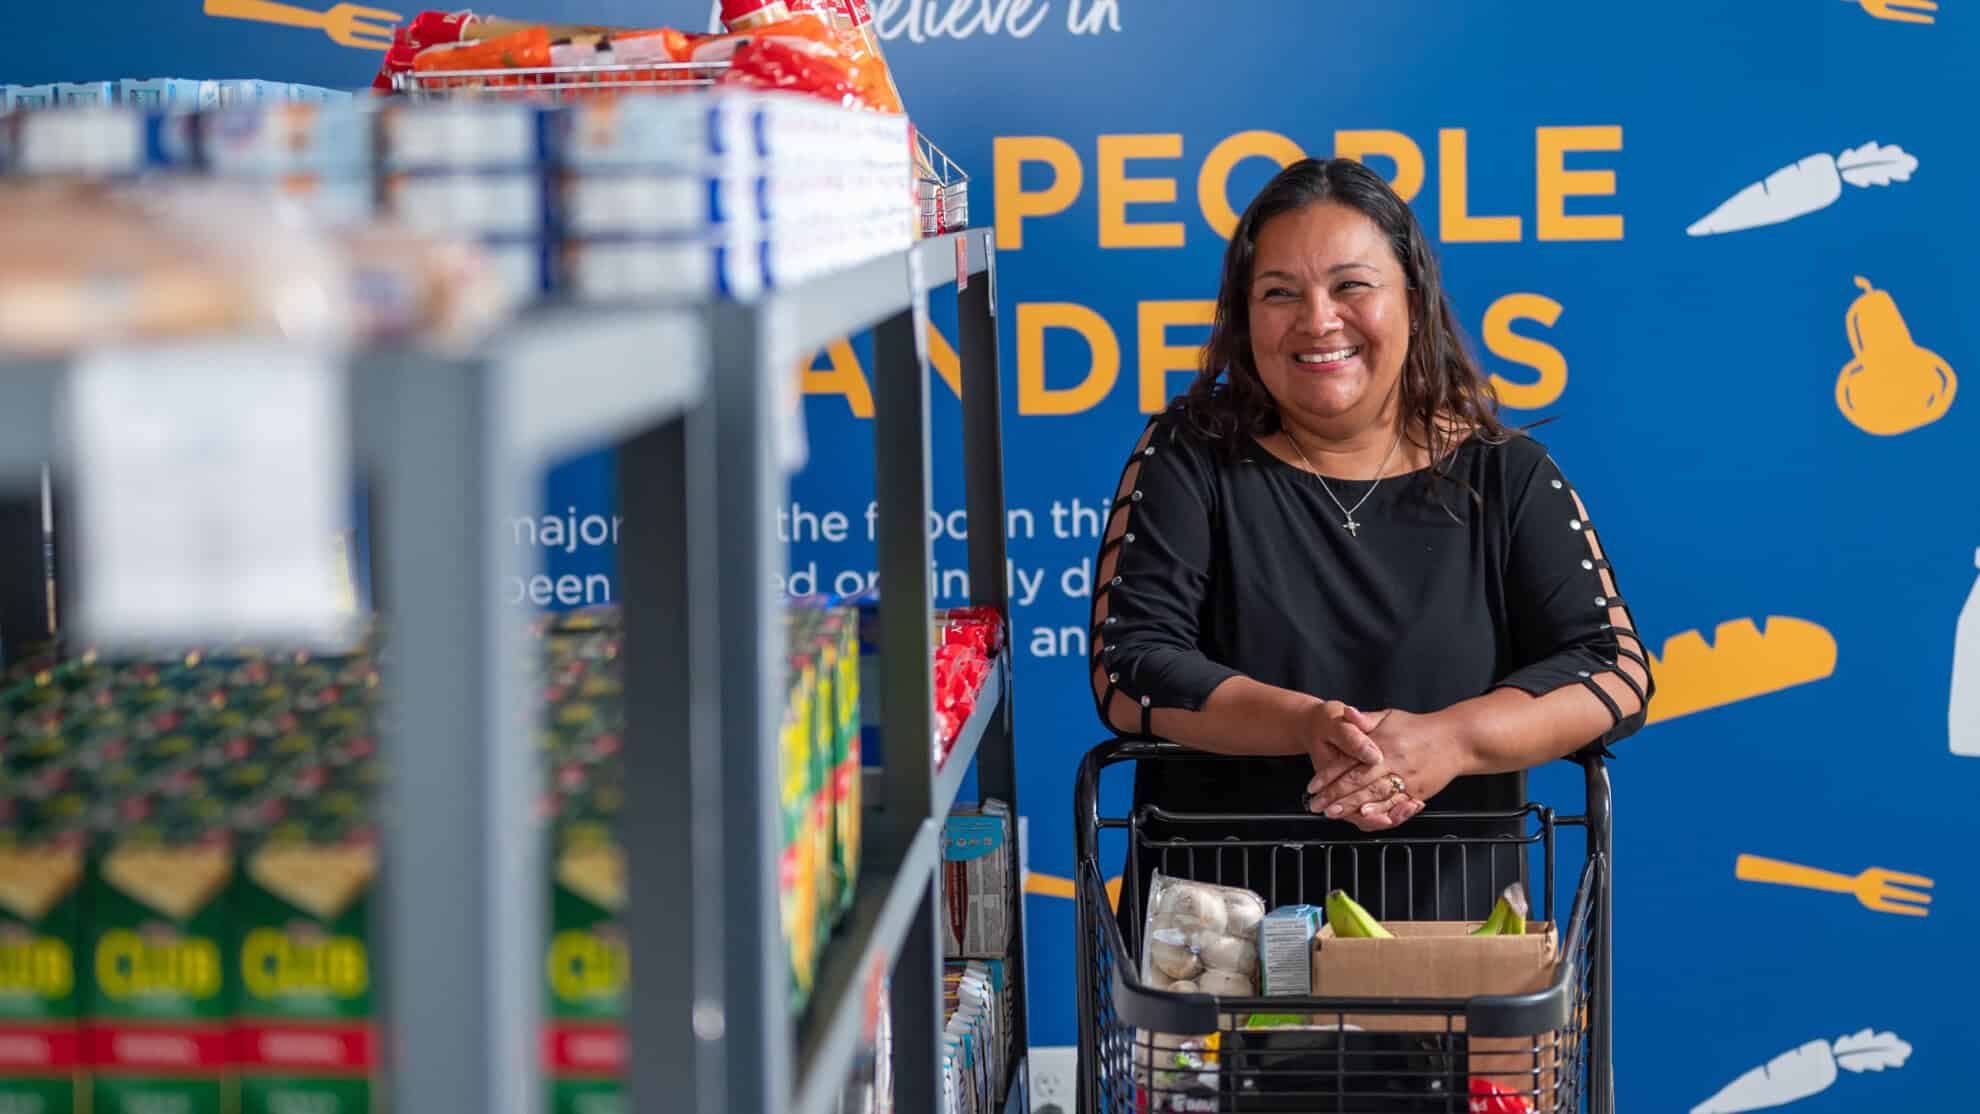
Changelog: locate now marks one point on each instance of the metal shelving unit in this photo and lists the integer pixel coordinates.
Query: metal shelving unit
(690, 397)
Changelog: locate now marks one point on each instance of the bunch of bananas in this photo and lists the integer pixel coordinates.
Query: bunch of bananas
(1351, 921)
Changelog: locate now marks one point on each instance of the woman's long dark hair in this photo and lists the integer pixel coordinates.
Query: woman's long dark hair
(1442, 385)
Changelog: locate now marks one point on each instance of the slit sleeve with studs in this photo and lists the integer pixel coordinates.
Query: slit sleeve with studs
(1150, 582)
(1570, 624)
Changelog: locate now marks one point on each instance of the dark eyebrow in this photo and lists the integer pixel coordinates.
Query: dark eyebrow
(1335, 269)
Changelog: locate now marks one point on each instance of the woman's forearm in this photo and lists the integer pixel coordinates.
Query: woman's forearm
(1242, 716)
(1508, 730)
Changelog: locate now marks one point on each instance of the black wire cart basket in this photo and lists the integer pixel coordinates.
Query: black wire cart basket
(1144, 1050)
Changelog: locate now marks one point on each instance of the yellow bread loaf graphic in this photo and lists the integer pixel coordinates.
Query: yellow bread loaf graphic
(1741, 663)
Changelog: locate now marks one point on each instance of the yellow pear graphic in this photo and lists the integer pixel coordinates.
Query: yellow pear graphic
(1892, 386)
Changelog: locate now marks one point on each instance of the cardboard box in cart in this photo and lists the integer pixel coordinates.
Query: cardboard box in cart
(1441, 960)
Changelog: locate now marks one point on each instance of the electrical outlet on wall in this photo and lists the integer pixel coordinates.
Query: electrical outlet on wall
(1054, 1084)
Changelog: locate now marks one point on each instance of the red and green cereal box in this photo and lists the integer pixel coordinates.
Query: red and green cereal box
(157, 990)
(40, 925)
(586, 971)
(303, 1035)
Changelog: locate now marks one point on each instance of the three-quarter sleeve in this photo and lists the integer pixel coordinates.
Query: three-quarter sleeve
(1150, 582)
(1570, 624)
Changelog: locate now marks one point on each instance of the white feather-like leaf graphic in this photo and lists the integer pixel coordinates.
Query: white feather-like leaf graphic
(1874, 165)
(1805, 186)
(1870, 1051)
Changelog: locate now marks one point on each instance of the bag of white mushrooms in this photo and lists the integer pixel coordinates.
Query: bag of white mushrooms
(1198, 938)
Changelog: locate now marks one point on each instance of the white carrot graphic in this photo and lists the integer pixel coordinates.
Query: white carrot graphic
(1806, 186)
(1808, 1070)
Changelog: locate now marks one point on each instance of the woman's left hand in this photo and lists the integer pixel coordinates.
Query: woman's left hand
(1423, 751)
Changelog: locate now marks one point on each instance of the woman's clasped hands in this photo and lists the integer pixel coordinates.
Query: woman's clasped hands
(1375, 769)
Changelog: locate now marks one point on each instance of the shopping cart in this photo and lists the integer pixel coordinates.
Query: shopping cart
(1148, 1051)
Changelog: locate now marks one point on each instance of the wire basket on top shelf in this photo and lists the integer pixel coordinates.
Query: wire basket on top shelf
(941, 189)
(560, 82)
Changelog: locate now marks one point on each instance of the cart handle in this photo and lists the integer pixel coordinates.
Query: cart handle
(1086, 789)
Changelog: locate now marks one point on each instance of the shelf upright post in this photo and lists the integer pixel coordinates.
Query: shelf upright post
(461, 918)
(983, 435)
(907, 698)
(27, 410)
(749, 375)
(989, 582)
(24, 618)
(675, 1023)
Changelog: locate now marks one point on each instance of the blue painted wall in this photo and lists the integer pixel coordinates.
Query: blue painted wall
(1693, 378)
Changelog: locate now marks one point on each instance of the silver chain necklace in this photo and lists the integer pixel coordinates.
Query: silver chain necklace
(1353, 528)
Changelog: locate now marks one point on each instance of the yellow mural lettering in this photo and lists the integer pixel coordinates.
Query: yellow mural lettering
(1403, 156)
(1034, 397)
(1014, 202)
(1118, 191)
(841, 375)
(1901, 11)
(1050, 885)
(1213, 183)
(944, 360)
(1158, 356)
(349, 25)
(1740, 664)
(1893, 385)
(1557, 183)
(1394, 146)
(1885, 891)
(1457, 224)
(1542, 357)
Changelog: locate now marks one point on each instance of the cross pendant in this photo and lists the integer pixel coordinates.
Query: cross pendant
(1353, 528)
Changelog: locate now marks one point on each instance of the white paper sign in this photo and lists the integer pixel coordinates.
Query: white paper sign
(212, 480)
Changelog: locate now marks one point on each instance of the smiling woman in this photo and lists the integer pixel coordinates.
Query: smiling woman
(1331, 556)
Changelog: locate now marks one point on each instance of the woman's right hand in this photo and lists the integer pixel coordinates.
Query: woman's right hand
(1335, 736)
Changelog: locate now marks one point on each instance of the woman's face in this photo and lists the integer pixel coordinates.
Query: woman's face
(1329, 314)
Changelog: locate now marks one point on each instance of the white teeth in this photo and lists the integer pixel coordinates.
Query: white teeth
(1327, 357)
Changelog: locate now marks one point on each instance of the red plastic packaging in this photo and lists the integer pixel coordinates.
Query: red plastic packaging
(408, 39)
(741, 15)
(776, 64)
(1488, 1097)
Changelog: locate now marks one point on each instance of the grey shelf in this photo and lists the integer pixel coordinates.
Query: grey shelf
(691, 398)
(889, 895)
(27, 426)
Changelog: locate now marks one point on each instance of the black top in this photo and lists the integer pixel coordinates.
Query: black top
(1228, 560)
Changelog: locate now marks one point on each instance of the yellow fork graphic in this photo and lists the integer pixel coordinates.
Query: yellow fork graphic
(346, 24)
(1879, 889)
(1899, 11)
